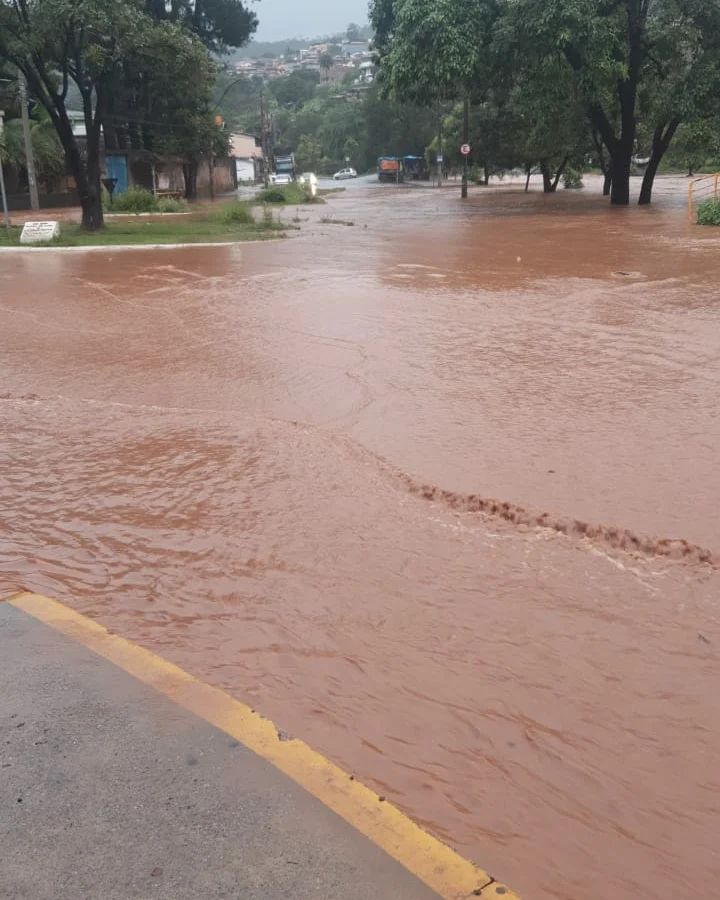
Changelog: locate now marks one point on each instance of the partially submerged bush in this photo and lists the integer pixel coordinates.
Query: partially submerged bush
(573, 179)
(709, 212)
(272, 195)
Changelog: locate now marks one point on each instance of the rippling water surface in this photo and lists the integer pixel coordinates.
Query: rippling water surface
(438, 493)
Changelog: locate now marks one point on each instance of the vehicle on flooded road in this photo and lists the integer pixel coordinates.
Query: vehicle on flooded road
(345, 173)
(390, 168)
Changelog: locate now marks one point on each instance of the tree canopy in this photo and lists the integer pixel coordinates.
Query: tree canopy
(624, 71)
(118, 54)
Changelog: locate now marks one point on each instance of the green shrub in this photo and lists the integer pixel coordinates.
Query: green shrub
(135, 200)
(171, 205)
(236, 214)
(709, 212)
(272, 195)
(573, 179)
(283, 193)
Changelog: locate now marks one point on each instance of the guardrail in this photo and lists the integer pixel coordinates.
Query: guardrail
(704, 187)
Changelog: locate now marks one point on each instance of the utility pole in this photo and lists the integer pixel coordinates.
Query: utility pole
(211, 168)
(29, 157)
(6, 214)
(264, 140)
(440, 157)
(466, 138)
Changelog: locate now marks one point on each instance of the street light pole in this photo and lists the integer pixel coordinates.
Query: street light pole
(29, 157)
(6, 214)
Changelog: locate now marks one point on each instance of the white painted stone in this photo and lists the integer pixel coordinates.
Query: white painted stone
(39, 232)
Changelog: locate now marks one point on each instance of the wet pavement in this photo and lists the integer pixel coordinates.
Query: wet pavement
(110, 791)
(437, 491)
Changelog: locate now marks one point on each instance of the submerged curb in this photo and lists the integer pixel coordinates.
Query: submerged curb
(435, 864)
(107, 247)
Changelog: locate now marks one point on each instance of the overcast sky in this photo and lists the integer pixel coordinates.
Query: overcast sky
(306, 18)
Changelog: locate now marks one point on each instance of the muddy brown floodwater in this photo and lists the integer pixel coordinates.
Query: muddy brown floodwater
(437, 492)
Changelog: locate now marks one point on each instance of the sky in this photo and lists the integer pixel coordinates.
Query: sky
(281, 19)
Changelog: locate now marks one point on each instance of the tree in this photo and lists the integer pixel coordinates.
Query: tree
(615, 51)
(326, 63)
(47, 151)
(296, 89)
(94, 44)
(697, 146)
(219, 24)
(308, 153)
(432, 50)
(167, 88)
(353, 32)
(56, 41)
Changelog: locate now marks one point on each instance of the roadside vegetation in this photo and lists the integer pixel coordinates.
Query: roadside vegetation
(709, 212)
(557, 88)
(137, 200)
(286, 194)
(226, 223)
(142, 72)
(560, 83)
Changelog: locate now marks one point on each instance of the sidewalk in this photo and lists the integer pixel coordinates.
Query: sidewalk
(109, 791)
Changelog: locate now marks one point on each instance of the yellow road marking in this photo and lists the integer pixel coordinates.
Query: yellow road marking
(439, 867)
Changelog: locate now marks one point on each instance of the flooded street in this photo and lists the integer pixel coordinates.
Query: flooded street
(438, 493)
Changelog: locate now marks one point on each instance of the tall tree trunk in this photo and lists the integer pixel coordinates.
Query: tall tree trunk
(602, 161)
(550, 181)
(87, 181)
(546, 177)
(528, 173)
(661, 141)
(486, 174)
(620, 162)
(190, 173)
(558, 174)
(93, 218)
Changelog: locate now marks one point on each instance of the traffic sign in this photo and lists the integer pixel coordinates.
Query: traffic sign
(465, 149)
(440, 158)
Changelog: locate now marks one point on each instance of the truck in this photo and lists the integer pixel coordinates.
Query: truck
(284, 169)
(390, 168)
(415, 168)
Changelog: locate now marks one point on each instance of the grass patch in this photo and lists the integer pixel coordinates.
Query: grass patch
(327, 220)
(236, 213)
(172, 205)
(219, 226)
(709, 212)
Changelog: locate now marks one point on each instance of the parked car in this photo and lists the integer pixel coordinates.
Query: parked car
(281, 178)
(345, 173)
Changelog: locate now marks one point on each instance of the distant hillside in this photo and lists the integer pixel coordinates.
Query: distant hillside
(274, 49)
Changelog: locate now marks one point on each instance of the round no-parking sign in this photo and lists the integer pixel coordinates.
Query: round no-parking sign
(465, 149)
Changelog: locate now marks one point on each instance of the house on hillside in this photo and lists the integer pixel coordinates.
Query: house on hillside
(351, 48)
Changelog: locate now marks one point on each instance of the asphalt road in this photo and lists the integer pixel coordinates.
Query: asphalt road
(110, 791)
